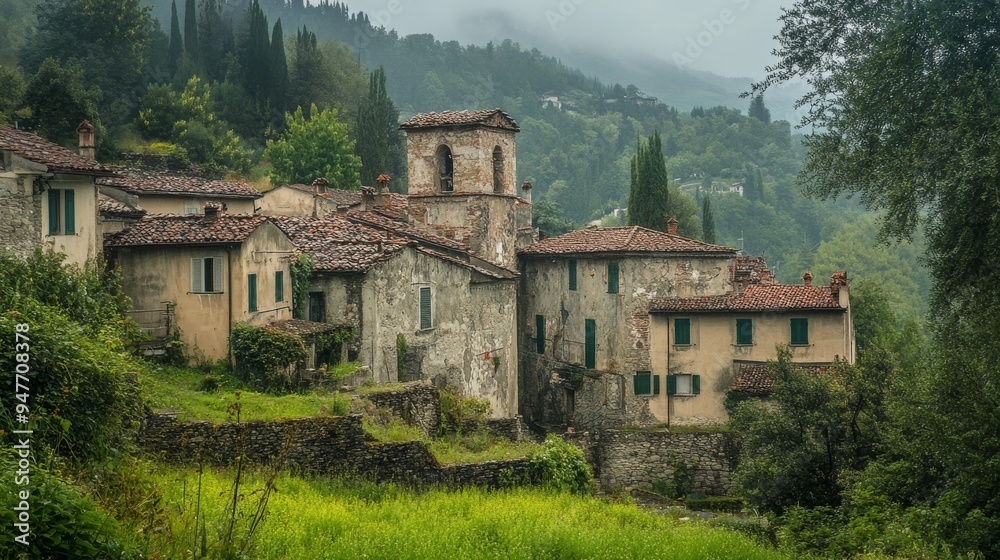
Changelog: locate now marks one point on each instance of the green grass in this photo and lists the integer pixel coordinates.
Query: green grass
(178, 390)
(321, 519)
(451, 449)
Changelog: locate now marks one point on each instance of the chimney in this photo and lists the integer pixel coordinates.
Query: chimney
(212, 211)
(383, 185)
(367, 198)
(319, 186)
(807, 278)
(342, 209)
(86, 132)
(526, 189)
(672, 225)
(837, 281)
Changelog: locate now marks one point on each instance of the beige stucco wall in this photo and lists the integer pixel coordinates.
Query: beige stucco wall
(713, 348)
(622, 322)
(154, 274)
(85, 243)
(469, 319)
(173, 204)
(472, 154)
(285, 201)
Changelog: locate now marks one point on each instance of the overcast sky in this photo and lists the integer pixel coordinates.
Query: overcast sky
(728, 37)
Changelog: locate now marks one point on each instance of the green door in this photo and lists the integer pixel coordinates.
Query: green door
(590, 359)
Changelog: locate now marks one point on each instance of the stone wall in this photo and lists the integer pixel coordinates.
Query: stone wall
(418, 404)
(20, 213)
(316, 445)
(637, 459)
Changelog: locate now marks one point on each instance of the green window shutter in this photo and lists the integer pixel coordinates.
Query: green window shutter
(641, 383)
(612, 278)
(590, 357)
(279, 286)
(671, 385)
(656, 384)
(682, 331)
(252, 288)
(540, 333)
(744, 331)
(572, 275)
(425, 308)
(800, 331)
(69, 198)
(53, 212)
(695, 384)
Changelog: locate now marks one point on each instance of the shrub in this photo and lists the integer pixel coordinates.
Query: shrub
(456, 410)
(561, 466)
(262, 354)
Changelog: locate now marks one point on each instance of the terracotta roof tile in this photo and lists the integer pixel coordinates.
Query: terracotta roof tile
(40, 150)
(139, 182)
(112, 208)
(384, 222)
(162, 229)
(753, 379)
(633, 239)
(494, 118)
(755, 297)
(339, 245)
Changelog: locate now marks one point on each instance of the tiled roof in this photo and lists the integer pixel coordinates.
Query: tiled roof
(137, 182)
(161, 229)
(112, 208)
(756, 297)
(632, 239)
(339, 245)
(381, 221)
(300, 328)
(494, 118)
(752, 378)
(40, 150)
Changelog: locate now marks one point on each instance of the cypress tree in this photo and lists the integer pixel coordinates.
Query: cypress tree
(212, 39)
(190, 30)
(759, 183)
(176, 42)
(279, 70)
(379, 143)
(256, 54)
(707, 222)
(647, 200)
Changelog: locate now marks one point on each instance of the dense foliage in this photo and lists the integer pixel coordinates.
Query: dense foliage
(265, 358)
(314, 146)
(561, 466)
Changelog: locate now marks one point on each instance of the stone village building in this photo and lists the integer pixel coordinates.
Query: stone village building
(598, 328)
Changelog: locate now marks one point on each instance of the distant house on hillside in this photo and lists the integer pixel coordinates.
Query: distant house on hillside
(48, 196)
(215, 269)
(162, 193)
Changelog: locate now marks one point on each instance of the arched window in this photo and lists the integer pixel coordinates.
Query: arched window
(446, 169)
(497, 170)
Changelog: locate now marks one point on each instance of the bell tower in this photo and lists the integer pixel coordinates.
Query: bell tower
(462, 170)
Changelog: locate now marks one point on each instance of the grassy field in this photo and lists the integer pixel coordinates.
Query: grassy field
(179, 390)
(320, 519)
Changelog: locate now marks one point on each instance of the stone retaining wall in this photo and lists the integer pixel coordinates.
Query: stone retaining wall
(316, 445)
(417, 403)
(637, 459)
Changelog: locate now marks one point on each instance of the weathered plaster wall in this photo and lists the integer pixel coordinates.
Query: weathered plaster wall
(493, 226)
(86, 242)
(472, 153)
(713, 348)
(174, 204)
(603, 397)
(470, 317)
(637, 459)
(285, 201)
(265, 252)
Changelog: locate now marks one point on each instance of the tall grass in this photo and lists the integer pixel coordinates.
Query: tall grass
(332, 518)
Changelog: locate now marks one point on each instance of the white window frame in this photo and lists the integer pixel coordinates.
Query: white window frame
(198, 275)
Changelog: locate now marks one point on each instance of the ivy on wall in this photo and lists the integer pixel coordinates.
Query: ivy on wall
(301, 267)
(264, 358)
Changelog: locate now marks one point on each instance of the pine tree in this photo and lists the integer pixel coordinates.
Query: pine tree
(648, 192)
(707, 222)
(176, 47)
(190, 30)
(379, 143)
(279, 70)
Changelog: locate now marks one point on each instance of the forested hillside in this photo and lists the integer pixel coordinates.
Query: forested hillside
(215, 83)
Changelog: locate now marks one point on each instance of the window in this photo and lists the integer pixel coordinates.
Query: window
(590, 353)
(252, 292)
(540, 333)
(682, 331)
(572, 275)
(446, 169)
(206, 275)
(800, 331)
(683, 384)
(62, 212)
(279, 286)
(317, 307)
(644, 383)
(497, 170)
(191, 210)
(613, 278)
(425, 308)
(744, 331)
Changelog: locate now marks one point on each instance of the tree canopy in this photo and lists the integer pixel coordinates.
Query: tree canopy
(312, 147)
